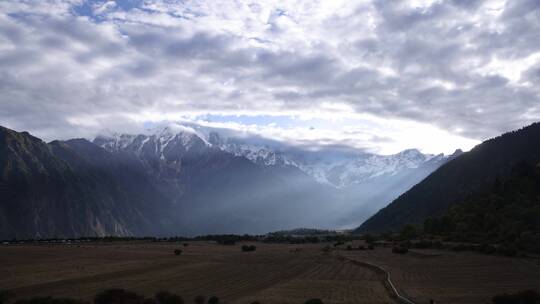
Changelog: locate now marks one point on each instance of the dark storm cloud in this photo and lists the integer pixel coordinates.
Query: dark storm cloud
(468, 67)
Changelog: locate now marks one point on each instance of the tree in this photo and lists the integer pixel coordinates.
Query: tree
(118, 296)
(247, 248)
(400, 250)
(199, 299)
(409, 232)
(5, 296)
(49, 300)
(522, 297)
(164, 297)
(213, 300)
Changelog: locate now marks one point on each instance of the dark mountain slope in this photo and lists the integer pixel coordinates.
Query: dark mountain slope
(76, 188)
(215, 191)
(506, 213)
(123, 180)
(459, 178)
(49, 190)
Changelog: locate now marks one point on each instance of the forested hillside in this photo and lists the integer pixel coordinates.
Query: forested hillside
(471, 173)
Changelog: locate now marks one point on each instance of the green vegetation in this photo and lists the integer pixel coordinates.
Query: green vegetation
(248, 248)
(213, 300)
(507, 214)
(523, 297)
(49, 300)
(199, 299)
(223, 239)
(165, 297)
(473, 173)
(5, 296)
(117, 296)
(400, 250)
(121, 296)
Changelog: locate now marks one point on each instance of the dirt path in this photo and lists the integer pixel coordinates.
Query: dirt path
(387, 280)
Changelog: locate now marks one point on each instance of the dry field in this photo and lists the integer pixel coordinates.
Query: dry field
(453, 277)
(272, 274)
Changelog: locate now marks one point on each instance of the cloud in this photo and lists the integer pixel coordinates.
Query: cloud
(465, 70)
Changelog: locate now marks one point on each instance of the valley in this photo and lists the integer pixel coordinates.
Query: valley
(269, 152)
(274, 273)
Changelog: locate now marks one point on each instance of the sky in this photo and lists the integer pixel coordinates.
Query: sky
(381, 76)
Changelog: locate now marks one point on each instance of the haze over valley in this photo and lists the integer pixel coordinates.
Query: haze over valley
(189, 175)
(269, 152)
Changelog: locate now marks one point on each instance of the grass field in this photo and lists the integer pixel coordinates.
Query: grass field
(274, 273)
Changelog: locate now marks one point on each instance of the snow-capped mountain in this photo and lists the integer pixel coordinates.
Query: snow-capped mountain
(341, 187)
(187, 181)
(363, 167)
(161, 143)
(335, 168)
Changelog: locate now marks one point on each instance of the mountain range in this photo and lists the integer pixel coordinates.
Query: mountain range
(480, 186)
(355, 184)
(181, 180)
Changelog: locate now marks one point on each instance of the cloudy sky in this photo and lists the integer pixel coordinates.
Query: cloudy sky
(378, 75)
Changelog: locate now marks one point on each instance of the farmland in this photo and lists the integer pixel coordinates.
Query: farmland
(274, 273)
(271, 274)
(453, 277)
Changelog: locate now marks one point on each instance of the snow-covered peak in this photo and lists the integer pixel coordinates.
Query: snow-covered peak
(337, 168)
(114, 142)
(161, 142)
(332, 169)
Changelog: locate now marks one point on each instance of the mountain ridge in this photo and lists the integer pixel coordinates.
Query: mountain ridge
(174, 182)
(341, 171)
(459, 178)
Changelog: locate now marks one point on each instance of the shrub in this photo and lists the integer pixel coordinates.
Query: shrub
(463, 247)
(507, 250)
(5, 296)
(164, 297)
(349, 247)
(488, 249)
(213, 300)
(406, 244)
(409, 232)
(371, 247)
(49, 300)
(177, 252)
(400, 250)
(117, 296)
(247, 248)
(338, 243)
(423, 244)
(314, 301)
(369, 238)
(522, 297)
(199, 299)
(185, 244)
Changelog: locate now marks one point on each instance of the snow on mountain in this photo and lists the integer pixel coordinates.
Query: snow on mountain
(162, 142)
(337, 169)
